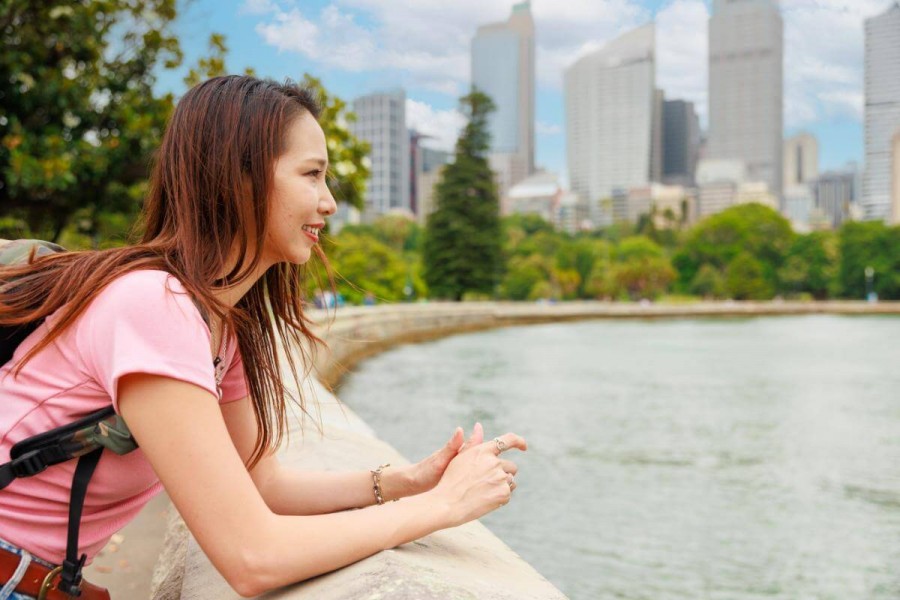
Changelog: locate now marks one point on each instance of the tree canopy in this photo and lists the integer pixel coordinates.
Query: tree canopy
(79, 115)
(462, 249)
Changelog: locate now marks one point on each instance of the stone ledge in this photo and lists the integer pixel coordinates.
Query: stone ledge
(464, 563)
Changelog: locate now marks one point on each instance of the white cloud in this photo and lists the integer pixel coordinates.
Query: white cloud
(335, 40)
(823, 58)
(429, 40)
(443, 126)
(291, 32)
(542, 128)
(682, 52)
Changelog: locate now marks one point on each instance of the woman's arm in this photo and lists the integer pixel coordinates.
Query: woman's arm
(298, 492)
(182, 433)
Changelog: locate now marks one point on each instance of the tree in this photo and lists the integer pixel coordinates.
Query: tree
(462, 249)
(641, 269)
(745, 279)
(719, 239)
(870, 244)
(523, 276)
(79, 116)
(708, 283)
(363, 264)
(811, 265)
(581, 256)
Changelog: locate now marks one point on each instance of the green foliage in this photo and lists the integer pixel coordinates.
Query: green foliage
(638, 248)
(462, 249)
(708, 283)
(640, 271)
(583, 256)
(80, 118)
(348, 161)
(523, 275)
(869, 244)
(718, 240)
(811, 266)
(745, 279)
(363, 264)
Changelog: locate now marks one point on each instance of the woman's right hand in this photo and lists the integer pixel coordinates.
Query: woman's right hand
(478, 480)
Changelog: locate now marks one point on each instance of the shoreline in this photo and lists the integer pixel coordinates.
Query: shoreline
(355, 333)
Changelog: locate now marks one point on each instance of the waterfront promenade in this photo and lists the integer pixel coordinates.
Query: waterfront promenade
(466, 562)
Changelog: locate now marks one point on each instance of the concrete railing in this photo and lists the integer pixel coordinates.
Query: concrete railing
(464, 562)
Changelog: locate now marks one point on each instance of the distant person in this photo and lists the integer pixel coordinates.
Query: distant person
(178, 333)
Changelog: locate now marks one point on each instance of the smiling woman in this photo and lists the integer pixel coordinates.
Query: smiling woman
(180, 334)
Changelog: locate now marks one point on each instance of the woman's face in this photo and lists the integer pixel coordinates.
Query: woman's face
(300, 199)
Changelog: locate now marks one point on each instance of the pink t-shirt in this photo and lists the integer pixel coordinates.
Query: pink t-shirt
(143, 322)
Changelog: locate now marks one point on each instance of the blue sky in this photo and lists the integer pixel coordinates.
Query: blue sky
(360, 46)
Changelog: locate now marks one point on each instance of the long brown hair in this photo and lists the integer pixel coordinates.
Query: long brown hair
(223, 134)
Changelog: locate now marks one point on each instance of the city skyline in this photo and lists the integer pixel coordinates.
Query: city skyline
(355, 47)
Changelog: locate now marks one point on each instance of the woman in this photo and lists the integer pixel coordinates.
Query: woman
(180, 333)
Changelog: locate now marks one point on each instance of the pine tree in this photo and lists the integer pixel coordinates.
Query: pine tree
(462, 249)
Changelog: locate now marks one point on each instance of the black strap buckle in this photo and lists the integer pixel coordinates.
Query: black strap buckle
(70, 578)
(30, 463)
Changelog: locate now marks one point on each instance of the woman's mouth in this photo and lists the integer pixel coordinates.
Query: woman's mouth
(312, 232)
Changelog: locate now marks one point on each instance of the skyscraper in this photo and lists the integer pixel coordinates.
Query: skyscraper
(801, 159)
(746, 47)
(681, 142)
(503, 68)
(381, 121)
(613, 118)
(882, 112)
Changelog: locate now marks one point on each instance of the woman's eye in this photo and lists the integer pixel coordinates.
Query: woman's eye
(315, 173)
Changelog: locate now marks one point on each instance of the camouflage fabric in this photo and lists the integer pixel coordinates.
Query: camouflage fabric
(14, 252)
(111, 433)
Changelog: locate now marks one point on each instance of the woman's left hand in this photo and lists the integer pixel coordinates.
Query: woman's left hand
(420, 477)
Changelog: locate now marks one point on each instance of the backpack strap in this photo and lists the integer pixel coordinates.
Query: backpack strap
(70, 577)
(100, 429)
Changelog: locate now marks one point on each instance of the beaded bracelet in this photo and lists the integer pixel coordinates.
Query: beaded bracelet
(376, 480)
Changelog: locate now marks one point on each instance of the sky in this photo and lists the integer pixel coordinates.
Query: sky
(422, 46)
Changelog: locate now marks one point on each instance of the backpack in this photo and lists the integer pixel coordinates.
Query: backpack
(85, 439)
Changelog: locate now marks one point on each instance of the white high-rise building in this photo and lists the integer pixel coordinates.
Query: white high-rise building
(503, 68)
(801, 160)
(381, 121)
(746, 50)
(882, 112)
(613, 114)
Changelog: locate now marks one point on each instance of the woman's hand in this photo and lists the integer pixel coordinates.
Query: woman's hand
(422, 476)
(478, 480)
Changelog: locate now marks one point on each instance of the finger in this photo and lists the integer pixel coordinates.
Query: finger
(477, 435)
(506, 441)
(509, 466)
(457, 440)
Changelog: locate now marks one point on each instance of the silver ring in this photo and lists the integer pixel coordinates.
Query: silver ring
(510, 479)
(501, 445)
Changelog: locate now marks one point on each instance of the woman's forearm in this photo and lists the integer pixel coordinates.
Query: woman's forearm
(295, 492)
(294, 548)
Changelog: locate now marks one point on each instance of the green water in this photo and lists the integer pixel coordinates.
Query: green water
(722, 459)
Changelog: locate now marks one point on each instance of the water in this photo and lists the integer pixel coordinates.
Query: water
(719, 458)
